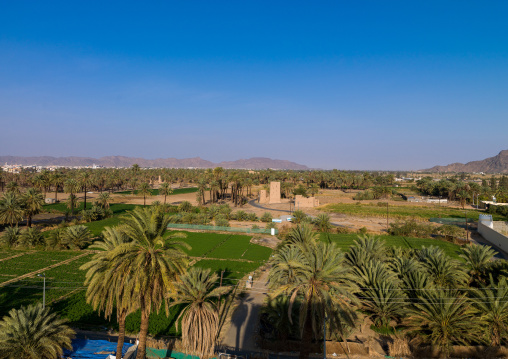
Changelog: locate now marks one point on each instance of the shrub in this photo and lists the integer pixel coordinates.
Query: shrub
(221, 221)
(362, 230)
(252, 217)
(365, 195)
(451, 232)
(255, 226)
(185, 206)
(55, 238)
(343, 230)
(95, 213)
(213, 210)
(225, 210)
(411, 228)
(270, 225)
(266, 217)
(241, 215)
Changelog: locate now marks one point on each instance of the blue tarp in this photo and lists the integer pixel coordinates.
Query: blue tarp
(85, 349)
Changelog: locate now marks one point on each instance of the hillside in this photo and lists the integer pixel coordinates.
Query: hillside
(496, 164)
(121, 161)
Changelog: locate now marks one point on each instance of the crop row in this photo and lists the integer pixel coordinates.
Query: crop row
(31, 262)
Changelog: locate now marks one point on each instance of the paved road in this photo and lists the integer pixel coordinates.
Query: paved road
(242, 332)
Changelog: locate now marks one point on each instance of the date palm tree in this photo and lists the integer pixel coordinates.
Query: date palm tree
(71, 186)
(85, 182)
(32, 204)
(198, 292)
(151, 259)
(103, 200)
(478, 260)
(165, 190)
(11, 210)
(57, 180)
(492, 302)
(144, 190)
(107, 289)
(322, 283)
(10, 236)
(33, 333)
(444, 317)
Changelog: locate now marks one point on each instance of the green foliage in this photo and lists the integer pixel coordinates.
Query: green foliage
(31, 237)
(221, 221)
(412, 228)
(266, 217)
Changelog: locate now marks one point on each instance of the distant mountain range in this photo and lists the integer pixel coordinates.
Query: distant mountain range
(121, 161)
(496, 164)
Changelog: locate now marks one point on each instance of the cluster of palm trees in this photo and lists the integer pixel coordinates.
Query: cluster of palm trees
(15, 206)
(140, 266)
(433, 299)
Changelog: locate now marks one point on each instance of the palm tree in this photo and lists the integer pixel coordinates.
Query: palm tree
(57, 179)
(198, 291)
(32, 204)
(10, 236)
(275, 314)
(71, 186)
(13, 187)
(85, 182)
(478, 260)
(165, 190)
(31, 236)
(442, 318)
(322, 280)
(322, 222)
(365, 249)
(76, 237)
(151, 259)
(103, 200)
(492, 303)
(33, 333)
(445, 272)
(107, 289)
(10, 209)
(145, 190)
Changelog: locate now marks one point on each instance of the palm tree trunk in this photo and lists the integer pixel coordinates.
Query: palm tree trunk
(306, 336)
(29, 221)
(164, 199)
(85, 199)
(144, 199)
(56, 193)
(143, 331)
(121, 334)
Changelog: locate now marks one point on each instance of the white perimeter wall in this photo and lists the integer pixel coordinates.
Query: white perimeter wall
(493, 237)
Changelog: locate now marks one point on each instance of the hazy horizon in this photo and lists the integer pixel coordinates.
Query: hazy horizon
(365, 85)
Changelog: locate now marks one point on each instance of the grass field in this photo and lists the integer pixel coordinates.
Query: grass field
(344, 241)
(201, 243)
(402, 212)
(155, 192)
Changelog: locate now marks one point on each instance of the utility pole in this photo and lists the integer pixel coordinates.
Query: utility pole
(43, 275)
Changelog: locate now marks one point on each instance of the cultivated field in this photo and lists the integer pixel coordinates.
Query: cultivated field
(233, 255)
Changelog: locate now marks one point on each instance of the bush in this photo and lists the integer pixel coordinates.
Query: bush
(363, 196)
(221, 221)
(451, 232)
(362, 230)
(266, 217)
(252, 217)
(411, 228)
(343, 230)
(240, 215)
(255, 226)
(271, 225)
(185, 206)
(95, 213)
(299, 217)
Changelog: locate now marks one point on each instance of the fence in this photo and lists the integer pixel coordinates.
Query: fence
(220, 228)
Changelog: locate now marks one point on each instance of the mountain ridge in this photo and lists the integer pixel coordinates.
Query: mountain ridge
(495, 164)
(171, 162)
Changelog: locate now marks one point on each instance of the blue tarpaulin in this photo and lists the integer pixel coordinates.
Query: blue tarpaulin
(85, 349)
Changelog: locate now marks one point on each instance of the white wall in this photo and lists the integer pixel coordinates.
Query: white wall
(493, 237)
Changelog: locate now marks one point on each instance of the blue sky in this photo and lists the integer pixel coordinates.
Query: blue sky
(338, 84)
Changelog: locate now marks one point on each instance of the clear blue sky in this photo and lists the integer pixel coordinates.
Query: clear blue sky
(338, 84)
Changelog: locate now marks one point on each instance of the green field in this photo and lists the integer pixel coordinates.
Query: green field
(155, 192)
(64, 284)
(344, 241)
(116, 208)
(403, 212)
